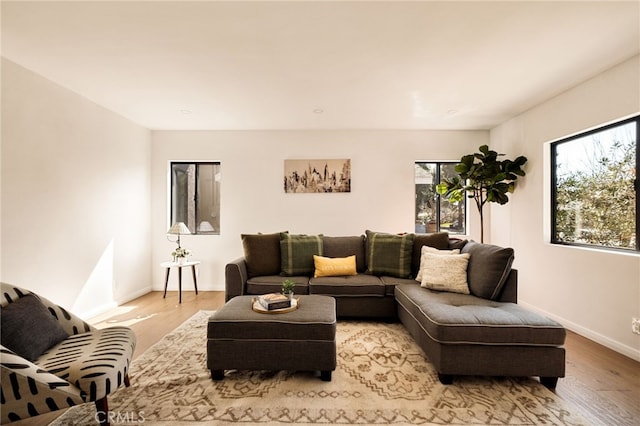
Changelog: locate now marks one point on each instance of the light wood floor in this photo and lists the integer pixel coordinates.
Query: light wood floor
(602, 383)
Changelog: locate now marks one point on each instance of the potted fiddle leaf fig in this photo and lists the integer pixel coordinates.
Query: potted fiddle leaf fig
(483, 177)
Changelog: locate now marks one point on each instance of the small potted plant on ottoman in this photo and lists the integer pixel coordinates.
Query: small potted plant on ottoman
(287, 288)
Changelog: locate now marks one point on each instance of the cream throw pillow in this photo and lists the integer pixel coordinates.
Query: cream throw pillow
(445, 272)
(334, 266)
(432, 250)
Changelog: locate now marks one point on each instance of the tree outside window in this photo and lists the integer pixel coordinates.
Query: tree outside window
(594, 182)
(432, 212)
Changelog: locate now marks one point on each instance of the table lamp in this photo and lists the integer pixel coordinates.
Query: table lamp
(178, 228)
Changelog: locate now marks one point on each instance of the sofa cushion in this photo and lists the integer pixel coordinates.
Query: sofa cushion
(453, 318)
(28, 328)
(296, 252)
(261, 254)
(446, 272)
(273, 284)
(350, 285)
(389, 254)
(390, 283)
(427, 249)
(438, 240)
(346, 246)
(489, 267)
(334, 266)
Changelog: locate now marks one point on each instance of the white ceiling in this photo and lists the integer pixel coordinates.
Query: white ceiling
(365, 64)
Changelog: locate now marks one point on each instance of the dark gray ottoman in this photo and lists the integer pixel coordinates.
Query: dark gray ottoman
(303, 340)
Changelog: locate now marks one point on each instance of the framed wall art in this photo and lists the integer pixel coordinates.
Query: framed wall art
(317, 176)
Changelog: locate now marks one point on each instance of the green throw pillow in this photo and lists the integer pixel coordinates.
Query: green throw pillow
(389, 254)
(296, 252)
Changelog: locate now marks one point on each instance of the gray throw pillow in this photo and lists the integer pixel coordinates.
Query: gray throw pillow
(261, 254)
(389, 254)
(29, 329)
(489, 267)
(296, 252)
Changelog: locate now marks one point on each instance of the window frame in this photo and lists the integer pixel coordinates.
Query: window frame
(636, 186)
(170, 209)
(438, 164)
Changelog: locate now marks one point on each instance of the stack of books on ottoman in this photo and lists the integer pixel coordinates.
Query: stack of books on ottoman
(273, 301)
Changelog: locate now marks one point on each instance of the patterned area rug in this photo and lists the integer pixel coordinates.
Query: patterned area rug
(382, 378)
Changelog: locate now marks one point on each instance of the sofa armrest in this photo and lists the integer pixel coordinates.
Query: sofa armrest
(235, 274)
(510, 289)
(21, 379)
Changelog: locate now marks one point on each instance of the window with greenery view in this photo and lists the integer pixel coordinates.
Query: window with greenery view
(195, 196)
(432, 212)
(595, 188)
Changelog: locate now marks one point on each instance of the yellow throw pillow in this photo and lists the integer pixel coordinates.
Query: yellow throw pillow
(334, 266)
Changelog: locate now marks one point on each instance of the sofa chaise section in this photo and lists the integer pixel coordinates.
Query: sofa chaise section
(469, 335)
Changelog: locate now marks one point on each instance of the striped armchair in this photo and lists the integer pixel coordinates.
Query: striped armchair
(84, 367)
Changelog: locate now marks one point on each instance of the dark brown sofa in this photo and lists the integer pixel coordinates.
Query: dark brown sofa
(482, 333)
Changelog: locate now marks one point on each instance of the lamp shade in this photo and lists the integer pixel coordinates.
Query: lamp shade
(205, 227)
(178, 228)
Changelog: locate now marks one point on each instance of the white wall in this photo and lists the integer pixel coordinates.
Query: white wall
(593, 292)
(75, 196)
(84, 191)
(253, 200)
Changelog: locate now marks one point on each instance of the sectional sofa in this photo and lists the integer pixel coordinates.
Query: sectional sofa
(458, 299)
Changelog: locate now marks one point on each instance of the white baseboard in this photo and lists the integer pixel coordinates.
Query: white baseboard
(87, 315)
(112, 305)
(589, 334)
(188, 287)
(129, 297)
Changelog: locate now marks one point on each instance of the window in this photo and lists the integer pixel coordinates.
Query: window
(195, 196)
(432, 212)
(594, 187)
